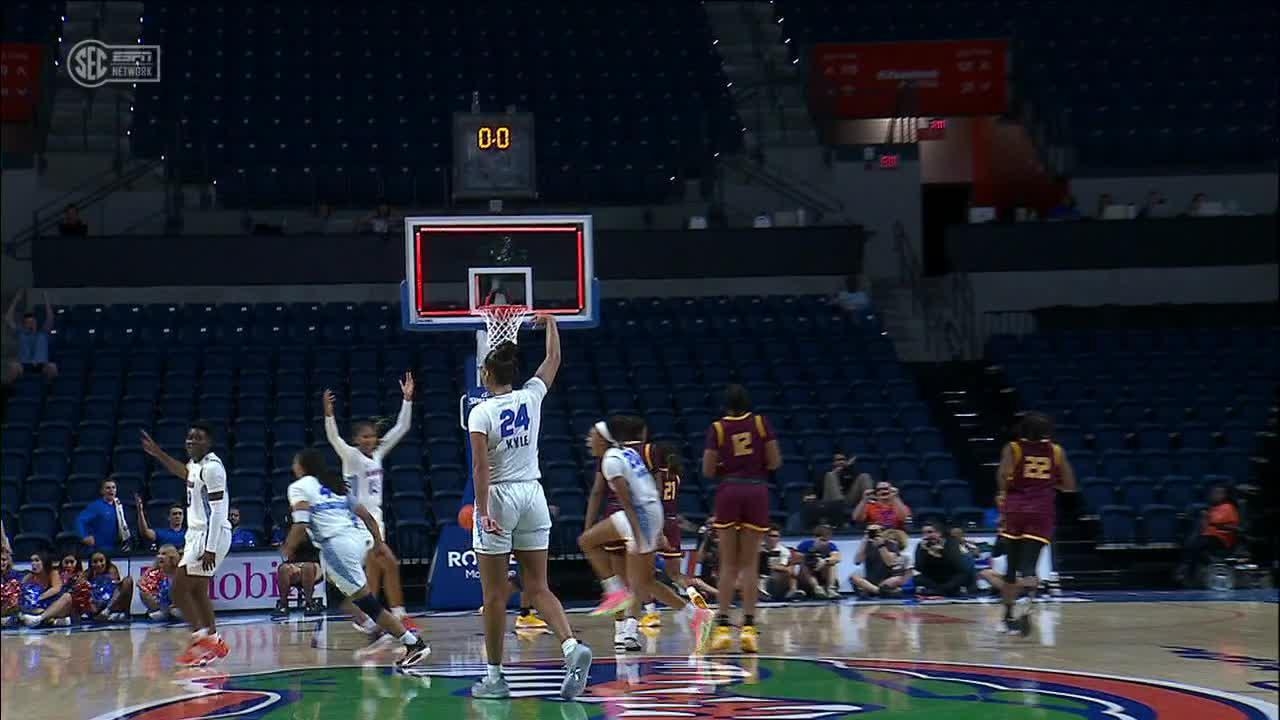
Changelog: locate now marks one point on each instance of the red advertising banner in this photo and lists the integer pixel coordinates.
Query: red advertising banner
(875, 80)
(20, 67)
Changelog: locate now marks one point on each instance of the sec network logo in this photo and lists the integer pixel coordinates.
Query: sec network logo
(742, 688)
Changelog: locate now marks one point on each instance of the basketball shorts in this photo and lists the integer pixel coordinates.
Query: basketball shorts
(193, 550)
(671, 531)
(342, 558)
(1036, 526)
(742, 506)
(645, 540)
(520, 509)
(609, 509)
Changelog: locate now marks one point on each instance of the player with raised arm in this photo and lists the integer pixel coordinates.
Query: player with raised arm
(346, 533)
(362, 470)
(511, 512)
(741, 452)
(638, 525)
(208, 538)
(1031, 469)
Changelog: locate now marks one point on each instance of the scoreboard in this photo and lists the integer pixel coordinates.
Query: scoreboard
(493, 156)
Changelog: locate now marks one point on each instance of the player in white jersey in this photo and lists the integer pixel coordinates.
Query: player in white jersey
(638, 525)
(208, 538)
(345, 532)
(362, 470)
(511, 511)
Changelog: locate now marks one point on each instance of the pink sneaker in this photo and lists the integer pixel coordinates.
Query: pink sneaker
(701, 626)
(613, 602)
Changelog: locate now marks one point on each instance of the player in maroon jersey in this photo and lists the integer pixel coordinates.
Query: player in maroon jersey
(741, 452)
(1032, 469)
(667, 468)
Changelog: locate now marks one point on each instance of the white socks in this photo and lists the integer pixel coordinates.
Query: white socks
(651, 607)
(397, 612)
(492, 673)
(409, 638)
(613, 584)
(619, 628)
(369, 625)
(568, 646)
(199, 634)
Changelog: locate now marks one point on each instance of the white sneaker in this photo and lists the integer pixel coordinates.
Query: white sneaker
(61, 622)
(383, 643)
(30, 620)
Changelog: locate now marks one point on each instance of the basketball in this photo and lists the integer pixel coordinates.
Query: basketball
(466, 516)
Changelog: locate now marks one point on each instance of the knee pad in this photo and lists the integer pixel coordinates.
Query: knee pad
(369, 605)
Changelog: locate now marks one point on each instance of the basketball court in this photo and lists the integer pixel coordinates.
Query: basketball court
(1108, 657)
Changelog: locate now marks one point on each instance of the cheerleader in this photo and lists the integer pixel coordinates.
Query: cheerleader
(156, 583)
(110, 593)
(71, 571)
(10, 589)
(42, 600)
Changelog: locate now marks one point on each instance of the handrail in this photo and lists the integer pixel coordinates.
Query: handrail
(39, 224)
(793, 188)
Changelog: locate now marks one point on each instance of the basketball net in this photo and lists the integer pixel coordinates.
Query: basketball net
(501, 323)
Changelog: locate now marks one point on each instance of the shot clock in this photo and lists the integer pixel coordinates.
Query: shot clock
(493, 156)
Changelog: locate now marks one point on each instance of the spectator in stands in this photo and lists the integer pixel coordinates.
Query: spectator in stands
(302, 571)
(4, 539)
(174, 535)
(379, 221)
(102, 525)
(835, 495)
(156, 583)
(1104, 202)
(110, 592)
(72, 225)
(821, 558)
(779, 567)
(1065, 210)
(1219, 530)
(241, 538)
(943, 567)
(882, 506)
(33, 340)
(884, 565)
(1197, 204)
(42, 600)
(1155, 207)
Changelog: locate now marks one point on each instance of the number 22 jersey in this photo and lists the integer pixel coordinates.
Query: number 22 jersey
(1037, 468)
(511, 423)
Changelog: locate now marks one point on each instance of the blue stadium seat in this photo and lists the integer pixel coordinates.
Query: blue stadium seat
(410, 505)
(1118, 527)
(412, 540)
(43, 491)
(1136, 491)
(38, 520)
(1160, 525)
(953, 494)
(1098, 492)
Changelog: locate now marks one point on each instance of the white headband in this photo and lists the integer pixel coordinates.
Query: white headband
(603, 428)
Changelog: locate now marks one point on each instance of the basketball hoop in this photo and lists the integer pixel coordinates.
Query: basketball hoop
(502, 323)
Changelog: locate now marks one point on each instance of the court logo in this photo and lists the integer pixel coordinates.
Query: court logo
(93, 63)
(678, 688)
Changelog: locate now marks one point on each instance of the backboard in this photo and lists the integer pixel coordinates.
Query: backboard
(454, 263)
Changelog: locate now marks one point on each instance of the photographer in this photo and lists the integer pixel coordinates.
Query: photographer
(779, 568)
(836, 493)
(884, 566)
(943, 567)
(882, 506)
(821, 557)
(707, 560)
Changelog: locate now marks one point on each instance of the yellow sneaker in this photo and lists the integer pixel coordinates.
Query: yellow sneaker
(749, 639)
(722, 639)
(696, 598)
(531, 623)
(651, 620)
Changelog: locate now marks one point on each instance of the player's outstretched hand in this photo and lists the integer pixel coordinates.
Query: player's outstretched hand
(327, 400)
(542, 320)
(406, 386)
(149, 446)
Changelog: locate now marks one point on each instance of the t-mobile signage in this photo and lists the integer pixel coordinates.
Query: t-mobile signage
(245, 581)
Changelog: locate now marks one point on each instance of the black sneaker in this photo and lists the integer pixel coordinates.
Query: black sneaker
(314, 607)
(1024, 624)
(414, 655)
(281, 612)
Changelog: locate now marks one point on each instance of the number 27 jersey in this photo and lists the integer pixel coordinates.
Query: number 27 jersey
(511, 423)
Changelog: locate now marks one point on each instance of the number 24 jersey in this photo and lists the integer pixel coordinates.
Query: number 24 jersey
(511, 423)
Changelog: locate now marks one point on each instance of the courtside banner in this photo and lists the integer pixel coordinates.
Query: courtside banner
(244, 581)
(20, 69)
(937, 78)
